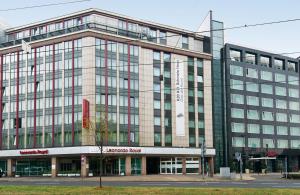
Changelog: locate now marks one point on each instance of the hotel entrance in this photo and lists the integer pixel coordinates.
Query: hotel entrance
(111, 166)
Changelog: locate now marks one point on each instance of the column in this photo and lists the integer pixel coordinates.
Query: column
(128, 165)
(10, 167)
(84, 166)
(211, 166)
(144, 165)
(54, 163)
(183, 166)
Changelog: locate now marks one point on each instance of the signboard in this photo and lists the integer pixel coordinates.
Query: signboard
(179, 86)
(85, 114)
(123, 150)
(29, 152)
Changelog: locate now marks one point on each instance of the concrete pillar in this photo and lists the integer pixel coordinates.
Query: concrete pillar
(128, 165)
(10, 167)
(54, 166)
(211, 166)
(84, 166)
(183, 166)
(144, 165)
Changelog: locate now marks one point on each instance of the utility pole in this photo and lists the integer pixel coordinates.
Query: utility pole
(101, 158)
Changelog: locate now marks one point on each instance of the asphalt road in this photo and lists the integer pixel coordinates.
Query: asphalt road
(261, 182)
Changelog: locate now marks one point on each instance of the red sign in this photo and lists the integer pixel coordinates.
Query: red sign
(85, 114)
(28, 152)
(272, 154)
(124, 150)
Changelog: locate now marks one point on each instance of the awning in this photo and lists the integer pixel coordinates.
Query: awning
(263, 158)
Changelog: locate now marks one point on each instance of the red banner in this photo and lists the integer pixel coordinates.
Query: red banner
(85, 114)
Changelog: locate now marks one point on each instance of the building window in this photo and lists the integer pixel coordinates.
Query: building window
(236, 70)
(185, 42)
(252, 114)
(280, 91)
(268, 143)
(156, 88)
(295, 131)
(236, 84)
(279, 64)
(280, 78)
(281, 104)
(282, 143)
(238, 141)
(156, 104)
(253, 128)
(252, 73)
(238, 127)
(268, 129)
(295, 144)
(162, 37)
(200, 79)
(156, 55)
(156, 71)
(250, 58)
(157, 121)
(253, 87)
(267, 102)
(294, 93)
(293, 80)
(253, 142)
(268, 76)
(281, 117)
(235, 55)
(282, 130)
(267, 116)
(237, 99)
(267, 89)
(294, 118)
(292, 66)
(294, 105)
(252, 101)
(237, 113)
(265, 61)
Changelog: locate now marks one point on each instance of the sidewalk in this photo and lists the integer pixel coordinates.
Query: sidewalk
(148, 178)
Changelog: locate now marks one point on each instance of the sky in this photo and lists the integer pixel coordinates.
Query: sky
(187, 14)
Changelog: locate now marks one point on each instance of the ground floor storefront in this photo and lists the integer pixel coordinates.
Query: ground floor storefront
(86, 161)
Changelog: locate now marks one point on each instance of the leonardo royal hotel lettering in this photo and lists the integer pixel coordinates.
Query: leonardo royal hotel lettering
(123, 150)
(28, 152)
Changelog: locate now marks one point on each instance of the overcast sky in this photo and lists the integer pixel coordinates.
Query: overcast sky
(188, 14)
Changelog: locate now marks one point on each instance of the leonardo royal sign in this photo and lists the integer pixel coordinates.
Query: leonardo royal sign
(123, 150)
(29, 152)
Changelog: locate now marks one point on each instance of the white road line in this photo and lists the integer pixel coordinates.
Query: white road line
(213, 182)
(238, 183)
(151, 184)
(48, 183)
(296, 183)
(268, 183)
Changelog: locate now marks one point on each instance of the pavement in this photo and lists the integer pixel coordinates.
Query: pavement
(251, 181)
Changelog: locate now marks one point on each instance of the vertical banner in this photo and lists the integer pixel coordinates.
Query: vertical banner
(85, 114)
(179, 84)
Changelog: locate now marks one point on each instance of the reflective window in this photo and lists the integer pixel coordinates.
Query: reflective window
(268, 76)
(253, 87)
(281, 117)
(294, 93)
(237, 99)
(252, 114)
(238, 141)
(267, 116)
(295, 144)
(237, 113)
(294, 105)
(293, 80)
(268, 143)
(253, 142)
(281, 104)
(265, 61)
(268, 129)
(236, 70)
(294, 118)
(235, 55)
(250, 58)
(252, 101)
(282, 130)
(267, 89)
(280, 91)
(252, 73)
(157, 121)
(236, 84)
(267, 102)
(282, 143)
(295, 131)
(279, 64)
(280, 78)
(156, 104)
(292, 66)
(238, 127)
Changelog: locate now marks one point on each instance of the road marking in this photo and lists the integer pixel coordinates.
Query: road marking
(238, 183)
(268, 183)
(212, 182)
(296, 183)
(279, 186)
(158, 184)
